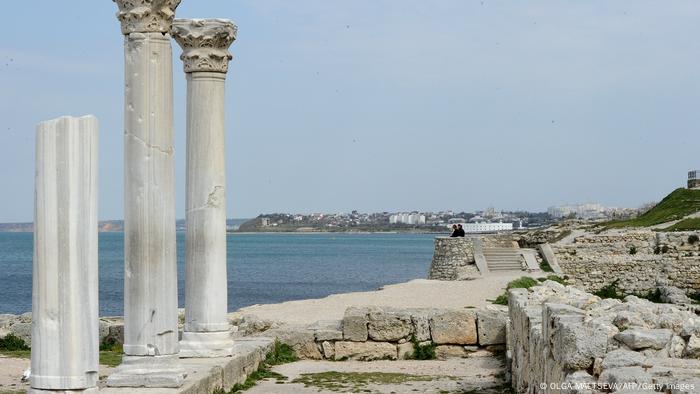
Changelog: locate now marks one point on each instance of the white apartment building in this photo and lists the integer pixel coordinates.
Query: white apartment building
(407, 218)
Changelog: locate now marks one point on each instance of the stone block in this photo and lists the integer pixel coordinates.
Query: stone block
(328, 335)
(301, 340)
(355, 323)
(388, 325)
(443, 352)
(23, 331)
(365, 351)
(405, 351)
(637, 339)
(630, 375)
(420, 318)
(692, 348)
(6, 320)
(575, 346)
(455, 327)
(328, 350)
(491, 326)
(622, 358)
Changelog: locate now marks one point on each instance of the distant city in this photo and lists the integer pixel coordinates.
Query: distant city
(484, 221)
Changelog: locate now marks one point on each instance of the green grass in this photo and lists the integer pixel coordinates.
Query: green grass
(524, 282)
(544, 266)
(422, 352)
(610, 291)
(109, 358)
(280, 354)
(678, 204)
(358, 381)
(11, 343)
(685, 225)
(16, 353)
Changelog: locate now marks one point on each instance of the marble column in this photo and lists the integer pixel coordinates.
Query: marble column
(150, 267)
(205, 55)
(65, 340)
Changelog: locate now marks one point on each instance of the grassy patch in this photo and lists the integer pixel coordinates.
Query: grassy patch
(11, 342)
(685, 225)
(524, 282)
(652, 295)
(680, 203)
(280, 354)
(544, 266)
(358, 381)
(555, 278)
(422, 352)
(610, 291)
(110, 358)
(16, 353)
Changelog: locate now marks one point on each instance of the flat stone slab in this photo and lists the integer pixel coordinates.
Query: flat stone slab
(204, 375)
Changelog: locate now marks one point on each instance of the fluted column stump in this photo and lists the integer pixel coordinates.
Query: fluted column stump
(205, 55)
(150, 267)
(65, 340)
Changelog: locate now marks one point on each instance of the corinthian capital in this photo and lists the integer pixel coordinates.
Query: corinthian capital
(205, 43)
(146, 16)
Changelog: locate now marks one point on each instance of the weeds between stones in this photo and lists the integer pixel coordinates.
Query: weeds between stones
(280, 354)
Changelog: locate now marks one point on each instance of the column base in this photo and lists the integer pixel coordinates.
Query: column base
(44, 391)
(206, 344)
(148, 371)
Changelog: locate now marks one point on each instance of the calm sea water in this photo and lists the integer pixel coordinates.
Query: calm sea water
(262, 268)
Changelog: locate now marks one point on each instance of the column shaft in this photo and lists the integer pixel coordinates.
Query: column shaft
(150, 280)
(205, 269)
(205, 57)
(64, 295)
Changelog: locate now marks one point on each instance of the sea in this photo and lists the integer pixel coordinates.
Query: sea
(263, 268)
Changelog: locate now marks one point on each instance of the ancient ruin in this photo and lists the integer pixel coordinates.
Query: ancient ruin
(205, 56)
(150, 280)
(64, 300)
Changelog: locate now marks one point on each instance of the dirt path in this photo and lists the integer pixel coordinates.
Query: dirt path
(419, 293)
(478, 374)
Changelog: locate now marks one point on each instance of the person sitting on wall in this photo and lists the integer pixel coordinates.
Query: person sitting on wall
(455, 231)
(460, 231)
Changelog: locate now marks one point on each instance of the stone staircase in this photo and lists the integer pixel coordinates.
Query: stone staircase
(504, 259)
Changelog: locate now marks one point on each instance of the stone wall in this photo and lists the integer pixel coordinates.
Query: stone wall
(453, 259)
(378, 333)
(561, 339)
(638, 260)
(498, 240)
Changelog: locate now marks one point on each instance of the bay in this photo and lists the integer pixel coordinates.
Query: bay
(262, 268)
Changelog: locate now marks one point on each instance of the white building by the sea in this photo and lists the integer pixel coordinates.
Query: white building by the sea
(485, 227)
(407, 218)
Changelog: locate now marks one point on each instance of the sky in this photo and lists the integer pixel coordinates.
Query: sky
(387, 105)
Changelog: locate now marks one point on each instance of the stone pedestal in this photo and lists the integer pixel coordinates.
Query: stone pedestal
(65, 348)
(150, 279)
(205, 55)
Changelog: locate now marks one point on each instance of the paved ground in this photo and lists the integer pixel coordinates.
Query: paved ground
(451, 376)
(12, 369)
(419, 293)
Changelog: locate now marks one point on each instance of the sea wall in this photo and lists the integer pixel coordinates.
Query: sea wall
(637, 260)
(453, 259)
(385, 333)
(561, 339)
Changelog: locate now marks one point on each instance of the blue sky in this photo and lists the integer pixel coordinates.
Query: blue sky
(388, 105)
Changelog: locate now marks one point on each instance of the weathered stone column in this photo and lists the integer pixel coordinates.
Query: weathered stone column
(205, 55)
(65, 348)
(150, 266)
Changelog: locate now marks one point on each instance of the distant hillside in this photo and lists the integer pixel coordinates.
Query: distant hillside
(677, 205)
